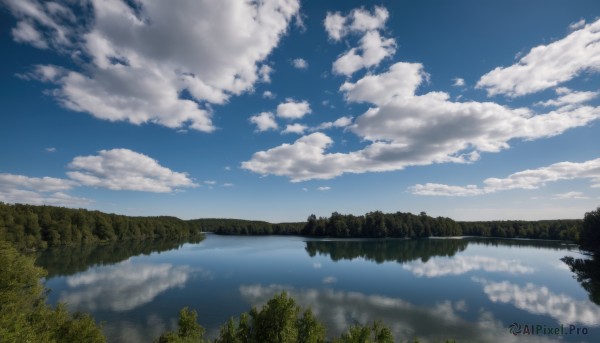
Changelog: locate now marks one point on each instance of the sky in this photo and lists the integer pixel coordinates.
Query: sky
(278, 109)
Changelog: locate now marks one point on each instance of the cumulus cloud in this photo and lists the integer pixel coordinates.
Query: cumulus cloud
(51, 149)
(124, 169)
(38, 191)
(577, 25)
(43, 184)
(268, 95)
(547, 66)
(340, 122)
(527, 179)
(540, 300)
(264, 121)
(372, 49)
(265, 73)
(295, 128)
(403, 128)
(358, 21)
(335, 25)
(142, 58)
(300, 63)
(292, 109)
(569, 97)
(324, 188)
(458, 82)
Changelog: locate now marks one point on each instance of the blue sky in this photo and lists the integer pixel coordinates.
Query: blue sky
(476, 110)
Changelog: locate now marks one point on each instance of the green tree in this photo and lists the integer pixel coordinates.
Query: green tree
(24, 314)
(189, 330)
(590, 232)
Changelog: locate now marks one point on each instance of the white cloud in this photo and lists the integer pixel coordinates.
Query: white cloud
(123, 169)
(210, 182)
(265, 73)
(142, 59)
(51, 149)
(38, 191)
(340, 122)
(300, 63)
(549, 65)
(24, 196)
(527, 179)
(437, 189)
(268, 95)
(228, 168)
(569, 195)
(292, 109)
(568, 97)
(295, 128)
(43, 184)
(26, 33)
(228, 184)
(324, 188)
(334, 25)
(363, 21)
(42, 24)
(264, 121)
(458, 82)
(405, 129)
(577, 25)
(358, 21)
(372, 49)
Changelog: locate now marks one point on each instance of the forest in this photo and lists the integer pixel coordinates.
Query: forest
(37, 227)
(399, 224)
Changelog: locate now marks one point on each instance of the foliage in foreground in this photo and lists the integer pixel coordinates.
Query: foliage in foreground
(281, 320)
(24, 314)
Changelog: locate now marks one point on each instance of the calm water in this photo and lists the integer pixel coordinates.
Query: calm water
(465, 289)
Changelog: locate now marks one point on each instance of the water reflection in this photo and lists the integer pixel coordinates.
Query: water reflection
(407, 250)
(71, 260)
(380, 251)
(587, 273)
(340, 309)
(462, 264)
(124, 286)
(540, 300)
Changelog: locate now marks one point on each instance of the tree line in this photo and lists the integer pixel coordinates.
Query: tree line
(399, 224)
(33, 227)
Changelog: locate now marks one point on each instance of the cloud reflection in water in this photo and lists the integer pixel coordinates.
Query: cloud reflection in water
(540, 300)
(124, 286)
(457, 265)
(340, 309)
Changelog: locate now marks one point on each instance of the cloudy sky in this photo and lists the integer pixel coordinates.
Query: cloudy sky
(276, 109)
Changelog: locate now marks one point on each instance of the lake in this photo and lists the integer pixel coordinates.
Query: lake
(466, 289)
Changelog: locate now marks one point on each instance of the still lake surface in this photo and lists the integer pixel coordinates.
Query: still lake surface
(466, 289)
